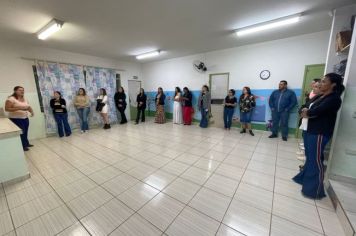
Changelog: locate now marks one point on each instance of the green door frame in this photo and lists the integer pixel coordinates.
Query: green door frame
(302, 99)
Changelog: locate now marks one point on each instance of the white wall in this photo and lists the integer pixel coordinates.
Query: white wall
(16, 71)
(285, 58)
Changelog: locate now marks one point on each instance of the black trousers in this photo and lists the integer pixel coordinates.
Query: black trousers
(122, 114)
(142, 113)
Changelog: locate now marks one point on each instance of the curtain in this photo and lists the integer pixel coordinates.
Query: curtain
(97, 78)
(66, 79)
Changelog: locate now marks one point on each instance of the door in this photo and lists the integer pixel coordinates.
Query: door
(219, 85)
(134, 89)
(311, 72)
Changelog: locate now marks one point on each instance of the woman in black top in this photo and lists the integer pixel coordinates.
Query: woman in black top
(321, 116)
(160, 97)
(120, 102)
(247, 103)
(141, 105)
(229, 108)
(187, 106)
(58, 105)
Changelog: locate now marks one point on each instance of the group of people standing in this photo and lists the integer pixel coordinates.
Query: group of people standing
(183, 107)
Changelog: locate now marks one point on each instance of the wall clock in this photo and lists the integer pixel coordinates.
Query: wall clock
(265, 74)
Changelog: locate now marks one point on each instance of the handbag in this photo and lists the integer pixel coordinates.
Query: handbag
(99, 105)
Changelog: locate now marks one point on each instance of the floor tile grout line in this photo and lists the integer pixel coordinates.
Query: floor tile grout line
(273, 193)
(64, 203)
(160, 191)
(201, 186)
(233, 196)
(8, 209)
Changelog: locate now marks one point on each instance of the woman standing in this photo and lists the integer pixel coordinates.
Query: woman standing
(19, 109)
(120, 102)
(58, 105)
(82, 104)
(247, 103)
(177, 107)
(229, 108)
(187, 106)
(160, 97)
(321, 121)
(141, 105)
(204, 105)
(103, 107)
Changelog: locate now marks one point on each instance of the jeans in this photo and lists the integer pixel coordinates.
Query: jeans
(204, 119)
(62, 122)
(139, 112)
(83, 115)
(312, 176)
(23, 124)
(280, 119)
(228, 113)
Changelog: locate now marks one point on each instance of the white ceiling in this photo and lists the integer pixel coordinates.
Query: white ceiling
(121, 29)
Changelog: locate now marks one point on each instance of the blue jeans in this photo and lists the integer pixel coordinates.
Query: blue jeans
(312, 175)
(23, 124)
(204, 119)
(83, 115)
(280, 119)
(62, 122)
(228, 113)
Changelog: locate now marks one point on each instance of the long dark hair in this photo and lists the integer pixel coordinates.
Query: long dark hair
(84, 92)
(143, 91)
(248, 92)
(337, 80)
(104, 91)
(123, 90)
(186, 89)
(15, 89)
(160, 89)
(177, 90)
(59, 93)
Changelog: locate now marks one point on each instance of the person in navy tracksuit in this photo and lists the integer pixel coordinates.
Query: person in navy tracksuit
(281, 102)
(321, 121)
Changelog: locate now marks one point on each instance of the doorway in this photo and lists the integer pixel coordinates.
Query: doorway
(311, 72)
(219, 85)
(134, 89)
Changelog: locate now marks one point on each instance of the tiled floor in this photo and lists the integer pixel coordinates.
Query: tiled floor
(167, 179)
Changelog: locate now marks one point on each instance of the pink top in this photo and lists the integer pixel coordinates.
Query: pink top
(16, 103)
(311, 94)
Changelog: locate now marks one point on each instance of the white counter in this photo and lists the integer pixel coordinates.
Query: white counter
(12, 159)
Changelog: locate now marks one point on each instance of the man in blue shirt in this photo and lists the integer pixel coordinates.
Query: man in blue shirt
(281, 102)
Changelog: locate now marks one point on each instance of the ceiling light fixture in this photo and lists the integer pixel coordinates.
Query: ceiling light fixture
(268, 25)
(148, 55)
(53, 26)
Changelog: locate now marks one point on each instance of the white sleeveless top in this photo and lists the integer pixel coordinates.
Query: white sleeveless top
(16, 103)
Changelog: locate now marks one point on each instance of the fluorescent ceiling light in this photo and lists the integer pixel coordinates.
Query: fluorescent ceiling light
(148, 55)
(268, 25)
(52, 27)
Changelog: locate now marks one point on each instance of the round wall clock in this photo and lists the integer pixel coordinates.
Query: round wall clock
(265, 74)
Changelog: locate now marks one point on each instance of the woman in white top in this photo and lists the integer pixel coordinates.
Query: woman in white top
(177, 107)
(102, 107)
(19, 110)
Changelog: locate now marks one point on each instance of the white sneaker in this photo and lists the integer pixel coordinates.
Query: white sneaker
(302, 148)
(301, 158)
(300, 153)
(86, 131)
(82, 131)
(301, 144)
